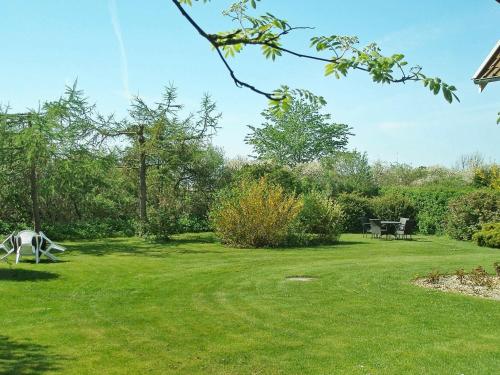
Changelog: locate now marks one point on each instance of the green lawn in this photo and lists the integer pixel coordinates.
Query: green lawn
(191, 306)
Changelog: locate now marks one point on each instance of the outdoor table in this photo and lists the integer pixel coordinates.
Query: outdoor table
(389, 223)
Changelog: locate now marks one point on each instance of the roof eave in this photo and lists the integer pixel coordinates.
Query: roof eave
(485, 63)
(486, 80)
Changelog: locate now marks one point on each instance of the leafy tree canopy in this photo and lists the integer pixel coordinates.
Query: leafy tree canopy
(298, 135)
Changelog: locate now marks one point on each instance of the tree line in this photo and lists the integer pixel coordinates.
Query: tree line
(74, 172)
(64, 163)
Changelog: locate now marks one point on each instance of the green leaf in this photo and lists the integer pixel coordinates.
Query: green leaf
(447, 94)
(436, 89)
(270, 52)
(329, 69)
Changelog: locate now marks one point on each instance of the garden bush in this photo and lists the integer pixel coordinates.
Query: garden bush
(274, 173)
(468, 212)
(89, 230)
(321, 217)
(392, 206)
(7, 227)
(193, 224)
(255, 213)
(488, 236)
(431, 205)
(354, 206)
(163, 219)
(487, 176)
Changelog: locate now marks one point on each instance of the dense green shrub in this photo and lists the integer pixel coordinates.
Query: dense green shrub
(469, 211)
(193, 224)
(392, 206)
(163, 219)
(90, 230)
(354, 206)
(255, 213)
(274, 173)
(321, 216)
(431, 204)
(348, 172)
(488, 236)
(6, 227)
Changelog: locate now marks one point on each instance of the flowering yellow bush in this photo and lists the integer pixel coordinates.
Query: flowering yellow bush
(488, 176)
(255, 214)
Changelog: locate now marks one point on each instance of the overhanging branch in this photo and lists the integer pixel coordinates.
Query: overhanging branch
(213, 42)
(340, 64)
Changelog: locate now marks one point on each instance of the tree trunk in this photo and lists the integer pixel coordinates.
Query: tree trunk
(35, 205)
(143, 216)
(34, 198)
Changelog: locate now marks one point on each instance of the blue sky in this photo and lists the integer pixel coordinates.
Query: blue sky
(115, 47)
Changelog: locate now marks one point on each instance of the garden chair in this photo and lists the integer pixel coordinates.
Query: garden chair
(400, 228)
(46, 246)
(376, 228)
(365, 226)
(27, 242)
(8, 245)
(405, 228)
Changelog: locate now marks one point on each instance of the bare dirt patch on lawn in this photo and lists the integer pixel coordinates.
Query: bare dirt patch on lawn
(302, 278)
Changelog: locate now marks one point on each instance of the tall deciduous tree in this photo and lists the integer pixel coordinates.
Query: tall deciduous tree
(300, 134)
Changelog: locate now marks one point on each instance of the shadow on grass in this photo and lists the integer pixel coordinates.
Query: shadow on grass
(313, 246)
(23, 358)
(186, 244)
(15, 274)
(194, 244)
(42, 261)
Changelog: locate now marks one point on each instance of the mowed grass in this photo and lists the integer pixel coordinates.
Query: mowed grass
(192, 306)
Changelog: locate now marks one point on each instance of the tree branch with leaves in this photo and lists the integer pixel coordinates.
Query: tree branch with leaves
(339, 54)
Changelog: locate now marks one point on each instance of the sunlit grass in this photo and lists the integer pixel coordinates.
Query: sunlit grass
(191, 306)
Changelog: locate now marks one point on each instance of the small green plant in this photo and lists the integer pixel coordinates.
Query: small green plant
(496, 266)
(460, 273)
(433, 277)
(480, 277)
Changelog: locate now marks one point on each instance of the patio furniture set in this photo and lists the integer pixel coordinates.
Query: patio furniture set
(402, 229)
(28, 242)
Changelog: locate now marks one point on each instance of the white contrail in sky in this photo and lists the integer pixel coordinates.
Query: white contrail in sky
(118, 33)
